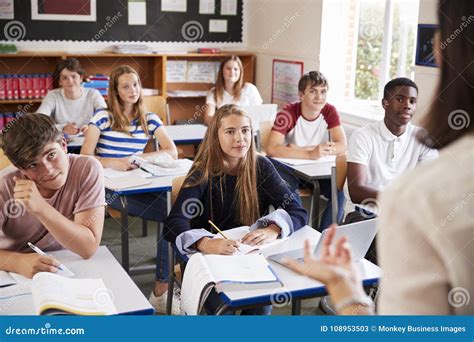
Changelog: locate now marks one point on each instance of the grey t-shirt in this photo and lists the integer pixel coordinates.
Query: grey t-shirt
(63, 110)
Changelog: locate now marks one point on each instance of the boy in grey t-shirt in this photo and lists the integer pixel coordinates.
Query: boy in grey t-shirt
(49, 198)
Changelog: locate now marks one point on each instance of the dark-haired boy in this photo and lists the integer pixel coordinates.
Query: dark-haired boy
(300, 131)
(49, 198)
(381, 151)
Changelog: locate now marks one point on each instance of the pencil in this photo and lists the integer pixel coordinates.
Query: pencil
(218, 230)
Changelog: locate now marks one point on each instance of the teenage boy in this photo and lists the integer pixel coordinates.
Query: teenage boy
(50, 198)
(380, 152)
(300, 131)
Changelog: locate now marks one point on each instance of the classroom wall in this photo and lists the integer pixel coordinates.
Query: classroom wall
(426, 77)
(283, 29)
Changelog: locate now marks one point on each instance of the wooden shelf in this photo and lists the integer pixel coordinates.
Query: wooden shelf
(150, 67)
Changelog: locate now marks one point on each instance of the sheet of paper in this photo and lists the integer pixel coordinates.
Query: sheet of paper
(111, 173)
(176, 71)
(322, 160)
(239, 232)
(201, 72)
(218, 25)
(7, 9)
(173, 5)
(195, 280)
(207, 6)
(16, 299)
(137, 12)
(6, 279)
(228, 7)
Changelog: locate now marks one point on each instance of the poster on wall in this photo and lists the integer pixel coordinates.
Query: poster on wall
(6, 9)
(64, 10)
(285, 77)
(424, 46)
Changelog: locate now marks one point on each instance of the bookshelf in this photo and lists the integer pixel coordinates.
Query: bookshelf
(151, 68)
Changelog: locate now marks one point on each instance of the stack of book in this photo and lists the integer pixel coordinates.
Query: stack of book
(22, 86)
(99, 82)
(132, 49)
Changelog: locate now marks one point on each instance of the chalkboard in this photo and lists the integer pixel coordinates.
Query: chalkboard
(112, 24)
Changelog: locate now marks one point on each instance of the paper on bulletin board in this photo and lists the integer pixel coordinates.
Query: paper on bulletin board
(201, 72)
(218, 25)
(176, 71)
(136, 12)
(228, 7)
(6, 9)
(207, 6)
(173, 6)
(285, 78)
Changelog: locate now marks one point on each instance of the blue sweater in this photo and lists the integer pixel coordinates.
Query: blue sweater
(192, 208)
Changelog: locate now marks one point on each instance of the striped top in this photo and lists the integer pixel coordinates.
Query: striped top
(113, 144)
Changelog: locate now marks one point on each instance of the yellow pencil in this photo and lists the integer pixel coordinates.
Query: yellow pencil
(218, 230)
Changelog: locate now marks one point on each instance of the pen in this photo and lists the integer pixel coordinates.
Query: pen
(218, 230)
(40, 252)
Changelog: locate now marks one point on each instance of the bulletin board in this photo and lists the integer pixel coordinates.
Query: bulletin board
(125, 20)
(285, 77)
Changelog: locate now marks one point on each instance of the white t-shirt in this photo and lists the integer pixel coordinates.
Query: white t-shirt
(249, 96)
(386, 156)
(425, 238)
(64, 110)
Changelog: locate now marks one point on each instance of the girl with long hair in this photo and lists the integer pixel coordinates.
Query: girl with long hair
(232, 186)
(118, 133)
(230, 88)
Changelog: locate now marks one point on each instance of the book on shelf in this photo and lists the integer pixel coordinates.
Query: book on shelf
(52, 294)
(209, 50)
(223, 273)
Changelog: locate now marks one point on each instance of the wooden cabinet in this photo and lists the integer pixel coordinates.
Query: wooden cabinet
(151, 68)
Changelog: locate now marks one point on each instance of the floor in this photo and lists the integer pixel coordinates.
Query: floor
(143, 251)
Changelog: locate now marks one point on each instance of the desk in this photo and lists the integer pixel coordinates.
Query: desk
(296, 287)
(186, 134)
(180, 134)
(127, 297)
(158, 184)
(311, 173)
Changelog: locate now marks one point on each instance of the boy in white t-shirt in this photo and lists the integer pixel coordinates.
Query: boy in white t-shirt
(301, 130)
(382, 151)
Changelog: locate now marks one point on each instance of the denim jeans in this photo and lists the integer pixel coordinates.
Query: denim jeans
(151, 207)
(325, 189)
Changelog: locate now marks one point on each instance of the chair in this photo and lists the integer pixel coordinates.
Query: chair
(158, 105)
(172, 279)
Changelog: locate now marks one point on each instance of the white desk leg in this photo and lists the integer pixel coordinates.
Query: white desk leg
(334, 195)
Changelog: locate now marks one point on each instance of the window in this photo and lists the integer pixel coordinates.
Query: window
(370, 42)
(385, 45)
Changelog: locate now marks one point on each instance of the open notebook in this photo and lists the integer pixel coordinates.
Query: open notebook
(52, 294)
(224, 273)
(239, 232)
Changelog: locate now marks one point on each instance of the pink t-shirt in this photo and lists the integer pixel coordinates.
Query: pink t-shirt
(83, 190)
(301, 132)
